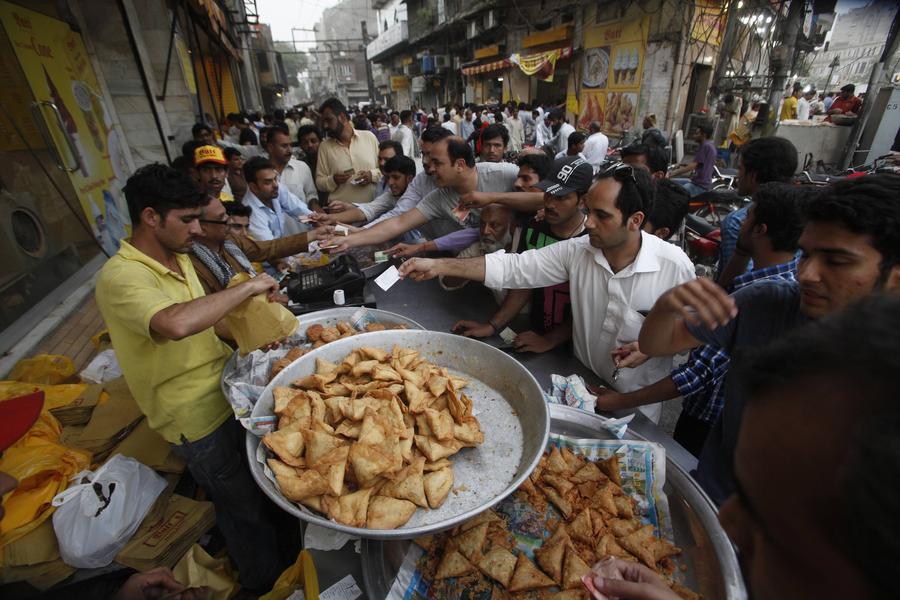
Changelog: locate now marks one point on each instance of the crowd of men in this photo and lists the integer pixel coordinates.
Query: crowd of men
(786, 399)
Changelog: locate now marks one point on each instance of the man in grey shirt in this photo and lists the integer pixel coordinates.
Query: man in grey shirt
(456, 175)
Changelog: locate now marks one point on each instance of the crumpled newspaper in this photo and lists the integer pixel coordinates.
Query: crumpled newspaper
(572, 391)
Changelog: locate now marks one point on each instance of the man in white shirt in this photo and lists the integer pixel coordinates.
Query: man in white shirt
(456, 175)
(803, 105)
(270, 202)
(615, 274)
(596, 146)
(467, 125)
(576, 146)
(395, 122)
(449, 125)
(516, 129)
(561, 131)
(293, 174)
(404, 134)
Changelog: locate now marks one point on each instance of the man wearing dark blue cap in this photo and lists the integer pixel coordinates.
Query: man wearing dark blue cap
(615, 273)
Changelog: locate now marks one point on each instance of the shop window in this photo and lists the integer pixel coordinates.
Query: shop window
(346, 70)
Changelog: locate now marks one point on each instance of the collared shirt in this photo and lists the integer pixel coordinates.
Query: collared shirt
(334, 158)
(730, 229)
(298, 179)
(466, 128)
(561, 138)
(175, 383)
(516, 133)
(404, 135)
(607, 307)
(440, 205)
(268, 223)
(421, 185)
(699, 379)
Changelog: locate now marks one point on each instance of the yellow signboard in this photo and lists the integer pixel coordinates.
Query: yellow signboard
(612, 69)
(709, 22)
(399, 82)
(63, 82)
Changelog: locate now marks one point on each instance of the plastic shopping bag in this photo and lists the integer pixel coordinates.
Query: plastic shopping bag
(299, 576)
(97, 515)
(51, 369)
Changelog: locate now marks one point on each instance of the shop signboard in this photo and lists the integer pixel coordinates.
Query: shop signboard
(399, 82)
(612, 68)
(69, 99)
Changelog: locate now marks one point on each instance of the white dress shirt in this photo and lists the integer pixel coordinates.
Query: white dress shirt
(595, 148)
(268, 223)
(516, 129)
(607, 307)
(299, 180)
(404, 135)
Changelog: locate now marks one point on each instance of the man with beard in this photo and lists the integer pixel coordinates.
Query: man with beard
(850, 248)
(293, 174)
(551, 318)
(347, 165)
(163, 328)
(561, 130)
(615, 272)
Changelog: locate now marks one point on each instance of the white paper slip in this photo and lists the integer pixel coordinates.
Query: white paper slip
(345, 589)
(388, 278)
(508, 335)
(341, 230)
(305, 218)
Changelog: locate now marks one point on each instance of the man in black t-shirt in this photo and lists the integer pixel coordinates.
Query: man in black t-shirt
(550, 314)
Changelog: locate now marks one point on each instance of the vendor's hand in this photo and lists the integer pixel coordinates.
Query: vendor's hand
(404, 250)
(474, 200)
(336, 206)
(628, 356)
(699, 301)
(529, 341)
(626, 580)
(263, 284)
(152, 584)
(473, 329)
(420, 269)
(607, 399)
(363, 178)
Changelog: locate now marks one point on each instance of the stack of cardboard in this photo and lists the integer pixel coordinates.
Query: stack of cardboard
(34, 558)
(162, 541)
(79, 412)
(111, 422)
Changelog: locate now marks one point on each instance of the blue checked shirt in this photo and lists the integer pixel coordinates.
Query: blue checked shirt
(699, 380)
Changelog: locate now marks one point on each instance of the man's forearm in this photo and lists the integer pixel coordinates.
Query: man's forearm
(354, 215)
(662, 390)
(462, 268)
(514, 302)
(560, 334)
(188, 318)
(389, 229)
(520, 201)
(737, 264)
(658, 333)
(684, 170)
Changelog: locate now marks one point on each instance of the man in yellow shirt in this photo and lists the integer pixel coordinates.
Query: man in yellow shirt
(347, 165)
(789, 106)
(163, 329)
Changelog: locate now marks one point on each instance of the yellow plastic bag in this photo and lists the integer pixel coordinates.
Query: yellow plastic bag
(198, 569)
(55, 396)
(256, 322)
(49, 369)
(43, 468)
(301, 574)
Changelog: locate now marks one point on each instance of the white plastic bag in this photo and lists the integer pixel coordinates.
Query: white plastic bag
(97, 515)
(104, 367)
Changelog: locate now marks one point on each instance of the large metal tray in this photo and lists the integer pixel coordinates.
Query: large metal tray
(326, 318)
(712, 567)
(506, 399)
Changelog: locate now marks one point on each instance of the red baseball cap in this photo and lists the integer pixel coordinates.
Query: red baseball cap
(18, 415)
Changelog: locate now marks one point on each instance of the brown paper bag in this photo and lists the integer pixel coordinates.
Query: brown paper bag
(197, 569)
(256, 322)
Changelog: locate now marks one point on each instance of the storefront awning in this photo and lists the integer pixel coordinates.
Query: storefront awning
(541, 64)
(497, 65)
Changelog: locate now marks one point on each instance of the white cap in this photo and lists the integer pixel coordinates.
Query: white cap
(339, 297)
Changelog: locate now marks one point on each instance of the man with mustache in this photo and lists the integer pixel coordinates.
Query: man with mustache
(850, 248)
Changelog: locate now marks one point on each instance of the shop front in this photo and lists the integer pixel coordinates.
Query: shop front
(61, 204)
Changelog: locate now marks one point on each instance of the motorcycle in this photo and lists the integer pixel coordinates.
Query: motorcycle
(700, 240)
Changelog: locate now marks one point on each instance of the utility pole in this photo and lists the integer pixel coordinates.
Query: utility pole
(783, 55)
(835, 63)
(725, 49)
(369, 79)
(872, 90)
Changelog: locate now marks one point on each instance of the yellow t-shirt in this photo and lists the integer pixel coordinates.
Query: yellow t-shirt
(789, 108)
(176, 384)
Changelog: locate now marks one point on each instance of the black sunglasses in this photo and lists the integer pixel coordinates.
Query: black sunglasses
(619, 171)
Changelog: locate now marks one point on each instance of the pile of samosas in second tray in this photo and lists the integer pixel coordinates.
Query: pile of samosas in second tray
(598, 520)
(368, 441)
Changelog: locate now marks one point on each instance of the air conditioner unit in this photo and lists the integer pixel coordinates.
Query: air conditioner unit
(473, 29)
(442, 61)
(491, 19)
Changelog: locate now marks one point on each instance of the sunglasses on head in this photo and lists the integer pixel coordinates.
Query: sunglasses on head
(619, 171)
